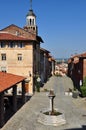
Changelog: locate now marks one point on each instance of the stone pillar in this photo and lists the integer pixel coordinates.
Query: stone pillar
(15, 98)
(2, 109)
(51, 97)
(23, 92)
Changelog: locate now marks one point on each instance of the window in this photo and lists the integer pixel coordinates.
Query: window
(3, 56)
(19, 57)
(3, 69)
(33, 21)
(2, 44)
(33, 28)
(30, 21)
(20, 45)
(11, 44)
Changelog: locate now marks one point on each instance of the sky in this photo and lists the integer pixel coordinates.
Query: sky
(61, 23)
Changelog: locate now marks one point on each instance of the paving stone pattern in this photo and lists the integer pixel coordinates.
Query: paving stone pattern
(74, 109)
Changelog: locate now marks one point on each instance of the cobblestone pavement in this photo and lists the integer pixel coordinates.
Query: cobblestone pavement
(74, 109)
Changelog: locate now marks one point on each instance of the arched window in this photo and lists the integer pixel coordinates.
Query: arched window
(30, 21)
(33, 21)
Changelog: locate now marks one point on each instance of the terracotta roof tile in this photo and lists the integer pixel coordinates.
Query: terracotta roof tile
(7, 80)
(44, 50)
(8, 36)
(82, 55)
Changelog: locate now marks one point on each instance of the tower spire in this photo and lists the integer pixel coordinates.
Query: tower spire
(31, 21)
(30, 4)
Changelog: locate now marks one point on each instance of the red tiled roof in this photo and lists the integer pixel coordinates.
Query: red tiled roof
(44, 50)
(8, 80)
(77, 56)
(8, 36)
(14, 28)
(83, 55)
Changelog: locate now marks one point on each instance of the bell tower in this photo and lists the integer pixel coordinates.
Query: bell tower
(31, 21)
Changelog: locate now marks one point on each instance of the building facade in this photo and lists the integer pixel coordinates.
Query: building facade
(47, 65)
(77, 69)
(20, 50)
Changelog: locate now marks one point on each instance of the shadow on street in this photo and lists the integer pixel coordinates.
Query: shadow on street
(83, 128)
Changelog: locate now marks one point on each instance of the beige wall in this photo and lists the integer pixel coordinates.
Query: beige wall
(31, 55)
(22, 67)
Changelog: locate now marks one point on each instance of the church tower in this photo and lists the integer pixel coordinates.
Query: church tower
(31, 21)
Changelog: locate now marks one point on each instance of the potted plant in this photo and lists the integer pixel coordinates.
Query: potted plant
(83, 88)
(75, 93)
(83, 91)
(37, 83)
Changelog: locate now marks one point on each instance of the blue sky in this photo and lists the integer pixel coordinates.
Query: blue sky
(61, 23)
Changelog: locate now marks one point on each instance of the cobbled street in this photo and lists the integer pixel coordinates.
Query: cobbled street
(74, 109)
